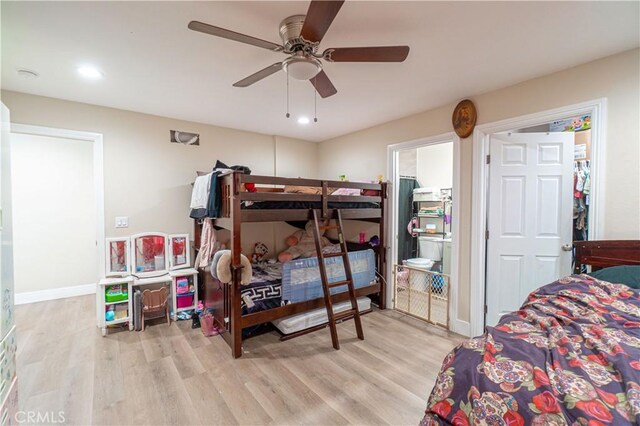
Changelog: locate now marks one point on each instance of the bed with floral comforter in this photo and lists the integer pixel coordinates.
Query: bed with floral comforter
(569, 356)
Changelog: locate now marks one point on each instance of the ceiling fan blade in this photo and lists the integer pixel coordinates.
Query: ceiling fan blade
(367, 54)
(232, 35)
(255, 77)
(323, 85)
(320, 15)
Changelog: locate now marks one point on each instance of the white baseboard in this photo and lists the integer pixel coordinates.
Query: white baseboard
(54, 293)
(461, 327)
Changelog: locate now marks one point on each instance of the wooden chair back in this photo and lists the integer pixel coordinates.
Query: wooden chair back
(155, 301)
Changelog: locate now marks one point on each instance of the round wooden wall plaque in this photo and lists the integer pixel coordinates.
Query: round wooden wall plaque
(464, 118)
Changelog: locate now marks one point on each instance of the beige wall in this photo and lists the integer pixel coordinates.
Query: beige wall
(615, 78)
(408, 162)
(148, 179)
(435, 165)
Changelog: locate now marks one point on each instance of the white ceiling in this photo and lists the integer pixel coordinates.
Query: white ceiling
(154, 64)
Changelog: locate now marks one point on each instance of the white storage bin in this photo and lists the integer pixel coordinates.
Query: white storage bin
(426, 194)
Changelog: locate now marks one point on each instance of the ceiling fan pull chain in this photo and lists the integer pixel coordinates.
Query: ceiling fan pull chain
(315, 100)
(287, 96)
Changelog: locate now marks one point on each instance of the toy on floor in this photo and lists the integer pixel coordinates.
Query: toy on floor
(302, 244)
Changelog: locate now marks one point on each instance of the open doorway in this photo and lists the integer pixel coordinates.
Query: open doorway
(537, 192)
(424, 272)
(58, 209)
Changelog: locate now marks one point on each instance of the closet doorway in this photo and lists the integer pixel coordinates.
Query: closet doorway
(423, 221)
(539, 188)
(58, 212)
(537, 184)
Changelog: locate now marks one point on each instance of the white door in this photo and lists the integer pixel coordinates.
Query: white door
(529, 216)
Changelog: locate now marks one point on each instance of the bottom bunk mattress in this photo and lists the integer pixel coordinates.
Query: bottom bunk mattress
(278, 284)
(315, 317)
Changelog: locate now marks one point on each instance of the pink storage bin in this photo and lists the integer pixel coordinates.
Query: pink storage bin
(185, 301)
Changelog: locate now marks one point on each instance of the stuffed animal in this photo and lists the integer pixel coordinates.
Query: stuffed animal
(302, 244)
(260, 250)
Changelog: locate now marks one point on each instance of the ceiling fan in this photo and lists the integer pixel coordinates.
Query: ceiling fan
(301, 36)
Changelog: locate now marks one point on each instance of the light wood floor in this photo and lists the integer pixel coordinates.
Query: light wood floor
(174, 375)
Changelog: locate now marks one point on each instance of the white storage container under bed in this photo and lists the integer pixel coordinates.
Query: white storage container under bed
(299, 322)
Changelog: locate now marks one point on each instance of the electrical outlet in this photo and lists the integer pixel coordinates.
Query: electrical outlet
(122, 222)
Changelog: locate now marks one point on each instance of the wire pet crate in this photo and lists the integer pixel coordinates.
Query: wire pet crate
(422, 294)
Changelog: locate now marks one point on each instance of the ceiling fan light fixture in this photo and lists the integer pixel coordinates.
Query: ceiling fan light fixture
(301, 68)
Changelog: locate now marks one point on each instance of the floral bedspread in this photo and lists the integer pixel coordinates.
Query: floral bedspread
(569, 356)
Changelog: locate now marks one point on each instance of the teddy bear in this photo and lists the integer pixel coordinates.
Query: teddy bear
(260, 250)
(302, 244)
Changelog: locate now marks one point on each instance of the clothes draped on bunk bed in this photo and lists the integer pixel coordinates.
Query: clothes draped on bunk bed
(206, 199)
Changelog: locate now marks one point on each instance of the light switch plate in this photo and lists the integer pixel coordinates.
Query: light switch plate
(122, 222)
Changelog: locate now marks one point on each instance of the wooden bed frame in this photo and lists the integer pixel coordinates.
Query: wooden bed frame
(225, 298)
(606, 253)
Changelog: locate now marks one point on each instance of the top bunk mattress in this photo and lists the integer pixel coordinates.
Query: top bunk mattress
(306, 205)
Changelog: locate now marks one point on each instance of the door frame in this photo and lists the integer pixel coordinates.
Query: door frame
(479, 207)
(98, 182)
(455, 324)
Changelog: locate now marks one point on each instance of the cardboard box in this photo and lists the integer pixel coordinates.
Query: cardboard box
(582, 145)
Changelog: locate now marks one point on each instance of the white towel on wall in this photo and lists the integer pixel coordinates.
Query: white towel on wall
(200, 194)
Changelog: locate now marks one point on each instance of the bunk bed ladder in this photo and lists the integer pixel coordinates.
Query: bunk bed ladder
(318, 230)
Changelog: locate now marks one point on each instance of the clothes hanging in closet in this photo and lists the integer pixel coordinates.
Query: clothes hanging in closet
(581, 192)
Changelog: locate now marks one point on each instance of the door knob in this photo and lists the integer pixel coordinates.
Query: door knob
(567, 247)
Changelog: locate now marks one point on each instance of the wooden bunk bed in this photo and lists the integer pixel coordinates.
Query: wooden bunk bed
(225, 299)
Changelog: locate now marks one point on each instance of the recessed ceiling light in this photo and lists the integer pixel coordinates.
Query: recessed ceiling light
(26, 74)
(303, 120)
(90, 72)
